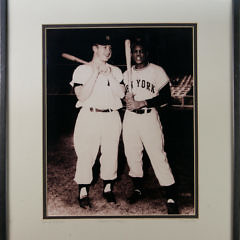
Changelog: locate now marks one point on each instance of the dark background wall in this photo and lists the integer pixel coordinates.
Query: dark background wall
(171, 48)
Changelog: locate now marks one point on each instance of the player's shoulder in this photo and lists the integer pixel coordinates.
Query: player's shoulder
(158, 70)
(160, 74)
(83, 69)
(156, 67)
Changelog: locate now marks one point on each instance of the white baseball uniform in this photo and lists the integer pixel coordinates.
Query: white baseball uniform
(96, 129)
(145, 129)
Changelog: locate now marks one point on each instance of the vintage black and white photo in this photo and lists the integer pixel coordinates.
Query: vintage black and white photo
(120, 120)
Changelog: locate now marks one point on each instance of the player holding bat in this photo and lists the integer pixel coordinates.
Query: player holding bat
(148, 88)
(98, 88)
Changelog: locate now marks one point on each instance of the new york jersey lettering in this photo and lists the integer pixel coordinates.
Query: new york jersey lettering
(145, 84)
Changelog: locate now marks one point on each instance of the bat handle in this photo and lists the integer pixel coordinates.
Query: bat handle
(129, 80)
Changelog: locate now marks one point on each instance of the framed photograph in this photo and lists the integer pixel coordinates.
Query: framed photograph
(171, 46)
(47, 113)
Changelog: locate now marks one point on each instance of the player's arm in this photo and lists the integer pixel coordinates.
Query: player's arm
(132, 104)
(162, 98)
(83, 91)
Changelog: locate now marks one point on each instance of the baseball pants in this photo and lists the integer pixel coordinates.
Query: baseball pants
(94, 130)
(146, 130)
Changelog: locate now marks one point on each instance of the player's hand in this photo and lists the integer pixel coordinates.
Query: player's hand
(95, 68)
(129, 96)
(132, 104)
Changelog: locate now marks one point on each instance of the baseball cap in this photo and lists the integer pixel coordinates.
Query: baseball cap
(141, 42)
(102, 40)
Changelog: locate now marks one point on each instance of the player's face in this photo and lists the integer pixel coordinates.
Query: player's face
(139, 56)
(103, 52)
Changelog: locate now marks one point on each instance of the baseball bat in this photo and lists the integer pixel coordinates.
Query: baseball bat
(73, 58)
(128, 62)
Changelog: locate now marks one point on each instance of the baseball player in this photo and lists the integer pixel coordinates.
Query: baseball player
(98, 125)
(142, 126)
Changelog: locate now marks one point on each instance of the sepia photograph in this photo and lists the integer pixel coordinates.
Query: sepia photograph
(120, 129)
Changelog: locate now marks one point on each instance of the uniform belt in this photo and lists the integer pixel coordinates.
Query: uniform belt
(141, 111)
(92, 109)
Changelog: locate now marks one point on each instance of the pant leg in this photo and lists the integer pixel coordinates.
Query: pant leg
(153, 141)
(86, 143)
(110, 134)
(132, 144)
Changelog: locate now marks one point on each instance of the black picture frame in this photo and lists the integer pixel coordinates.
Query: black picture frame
(3, 121)
(236, 117)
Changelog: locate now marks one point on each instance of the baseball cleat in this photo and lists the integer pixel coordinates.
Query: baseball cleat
(172, 208)
(109, 196)
(84, 202)
(135, 197)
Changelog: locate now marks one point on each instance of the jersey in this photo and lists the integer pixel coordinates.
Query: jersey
(147, 81)
(101, 96)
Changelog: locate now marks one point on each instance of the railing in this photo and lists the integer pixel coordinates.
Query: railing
(182, 92)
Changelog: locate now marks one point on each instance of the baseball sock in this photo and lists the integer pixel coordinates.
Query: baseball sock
(171, 193)
(137, 183)
(107, 185)
(83, 190)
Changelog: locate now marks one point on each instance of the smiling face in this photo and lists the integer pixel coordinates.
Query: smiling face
(102, 52)
(139, 56)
